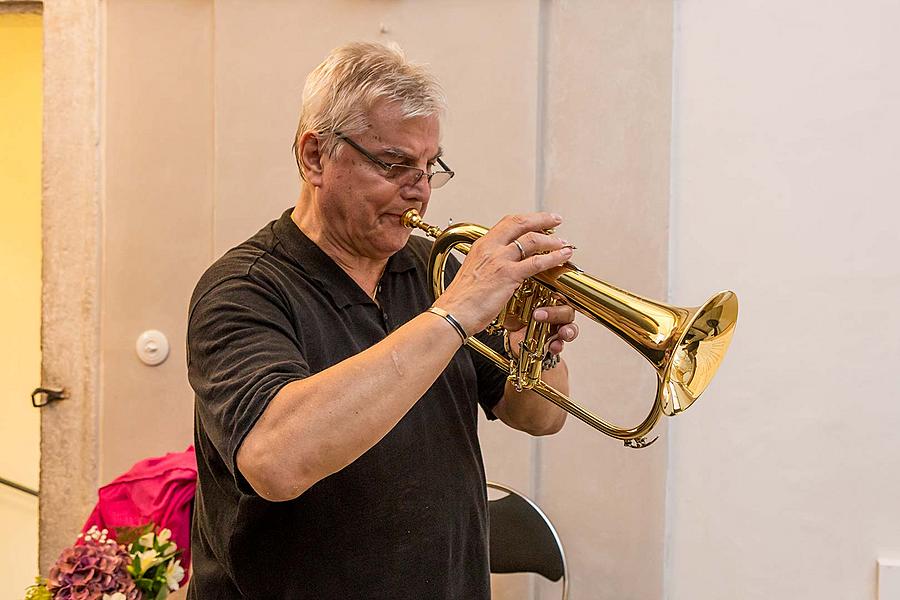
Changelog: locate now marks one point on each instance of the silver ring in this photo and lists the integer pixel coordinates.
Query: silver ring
(521, 248)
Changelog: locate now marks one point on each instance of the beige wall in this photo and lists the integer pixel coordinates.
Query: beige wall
(158, 216)
(606, 167)
(71, 253)
(565, 107)
(786, 159)
(557, 105)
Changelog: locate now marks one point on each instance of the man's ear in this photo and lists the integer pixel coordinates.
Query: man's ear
(310, 156)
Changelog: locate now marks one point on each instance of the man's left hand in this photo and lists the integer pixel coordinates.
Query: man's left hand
(562, 330)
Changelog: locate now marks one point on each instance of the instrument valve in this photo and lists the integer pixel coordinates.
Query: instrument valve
(496, 326)
(640, 442)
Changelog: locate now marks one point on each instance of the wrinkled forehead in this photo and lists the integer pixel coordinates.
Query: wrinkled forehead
(390, 126)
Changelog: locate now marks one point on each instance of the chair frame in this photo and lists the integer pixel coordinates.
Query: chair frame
(537, 509)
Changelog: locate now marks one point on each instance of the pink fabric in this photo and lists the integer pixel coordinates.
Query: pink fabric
(159, 489)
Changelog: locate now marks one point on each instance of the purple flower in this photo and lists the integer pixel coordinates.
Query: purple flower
(88, 570)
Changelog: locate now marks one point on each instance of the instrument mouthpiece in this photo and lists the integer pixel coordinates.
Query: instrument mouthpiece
(413, 220)
(410, 218)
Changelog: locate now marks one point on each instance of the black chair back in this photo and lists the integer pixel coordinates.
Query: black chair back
(522, 538)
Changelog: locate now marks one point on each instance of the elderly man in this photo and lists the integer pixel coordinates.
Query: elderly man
(336, 407)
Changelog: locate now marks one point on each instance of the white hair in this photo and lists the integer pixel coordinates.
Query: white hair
(340, 93)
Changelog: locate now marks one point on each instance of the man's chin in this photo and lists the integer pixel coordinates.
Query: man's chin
(403, 238)
(394, 240)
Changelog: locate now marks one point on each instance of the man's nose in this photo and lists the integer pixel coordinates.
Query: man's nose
(420, 190)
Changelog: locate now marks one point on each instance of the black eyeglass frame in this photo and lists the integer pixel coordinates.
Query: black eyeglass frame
(390, 166)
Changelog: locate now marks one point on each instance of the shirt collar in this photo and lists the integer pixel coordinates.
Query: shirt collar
(315, 263)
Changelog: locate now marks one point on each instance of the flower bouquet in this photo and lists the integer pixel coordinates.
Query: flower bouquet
(141, 564)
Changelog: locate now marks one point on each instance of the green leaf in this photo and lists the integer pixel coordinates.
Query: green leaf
(38, 591)
(130, 535)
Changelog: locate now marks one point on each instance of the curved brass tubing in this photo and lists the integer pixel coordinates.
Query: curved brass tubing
(684, 345)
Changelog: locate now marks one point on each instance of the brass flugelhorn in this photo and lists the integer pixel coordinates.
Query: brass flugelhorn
(684, 345)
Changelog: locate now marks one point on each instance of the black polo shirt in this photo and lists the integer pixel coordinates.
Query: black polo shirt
(408, 519)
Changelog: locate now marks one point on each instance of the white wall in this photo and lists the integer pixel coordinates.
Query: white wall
(785, 479)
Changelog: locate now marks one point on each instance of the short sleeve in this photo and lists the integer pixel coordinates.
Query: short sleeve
(491, 380)
(243, 347)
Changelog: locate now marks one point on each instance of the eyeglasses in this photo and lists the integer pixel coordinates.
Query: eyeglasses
(400, 174)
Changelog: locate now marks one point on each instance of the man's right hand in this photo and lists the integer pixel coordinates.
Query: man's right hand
(495, 266)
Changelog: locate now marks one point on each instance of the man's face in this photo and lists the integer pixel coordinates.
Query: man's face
(361, 208)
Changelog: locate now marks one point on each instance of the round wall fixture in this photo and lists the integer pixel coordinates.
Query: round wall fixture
(152, 347)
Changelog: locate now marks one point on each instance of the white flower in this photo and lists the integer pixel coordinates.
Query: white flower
(146, 540)
(116, 596)
(148, 558)
(163, 536)
(174, 575)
